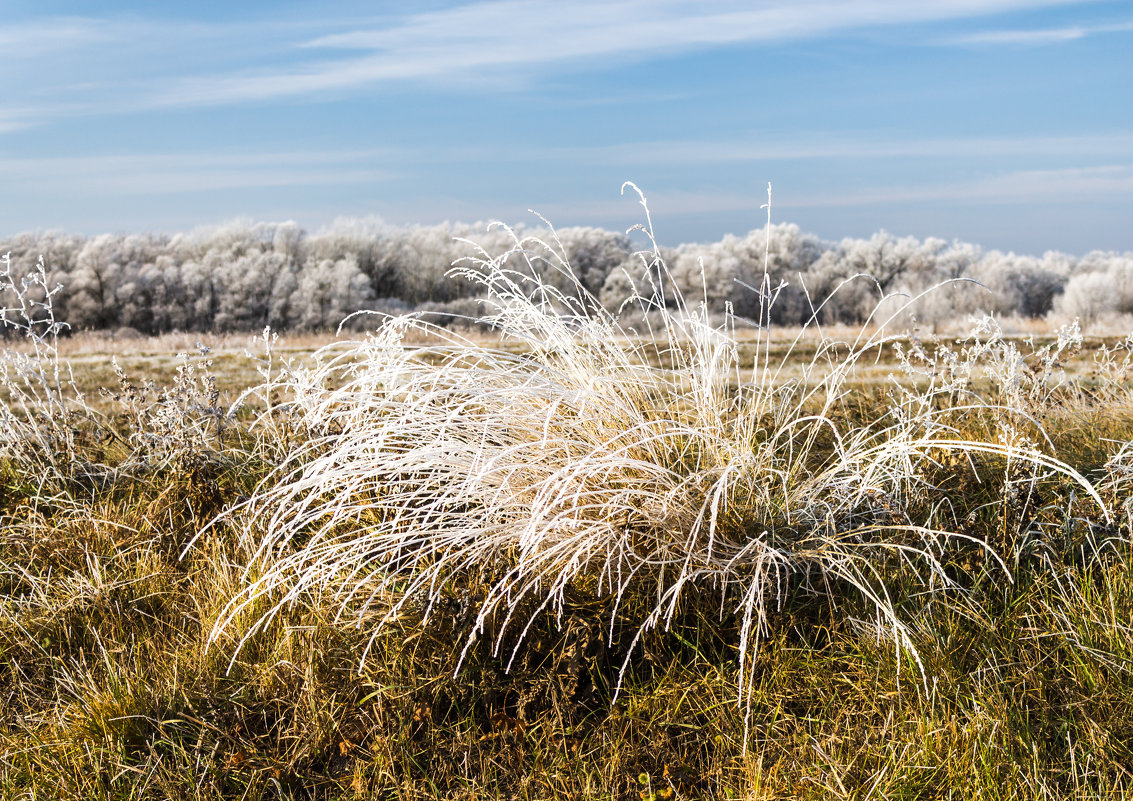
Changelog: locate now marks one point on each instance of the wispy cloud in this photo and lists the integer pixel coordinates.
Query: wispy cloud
(18, 118)
(14, 120)
(45, 36)
(758, 148)
(482, 37)
(163, 174)
(174, 173)
(1021, 186)
(666, 202)
(116, 65)
(1039, 36)
(1048, 187)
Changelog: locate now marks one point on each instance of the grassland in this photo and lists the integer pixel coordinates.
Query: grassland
(917, 582)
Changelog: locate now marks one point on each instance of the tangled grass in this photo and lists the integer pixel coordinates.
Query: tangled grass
(650, 459)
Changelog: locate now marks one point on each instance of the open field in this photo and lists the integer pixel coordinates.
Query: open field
(568, 564)
(232, 364)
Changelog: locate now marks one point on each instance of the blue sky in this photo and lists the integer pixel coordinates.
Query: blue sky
(1004, 122)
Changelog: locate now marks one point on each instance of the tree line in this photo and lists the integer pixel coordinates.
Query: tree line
(244, 276)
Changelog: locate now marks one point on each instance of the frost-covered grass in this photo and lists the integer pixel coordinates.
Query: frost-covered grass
(646, 465)
(580, 560)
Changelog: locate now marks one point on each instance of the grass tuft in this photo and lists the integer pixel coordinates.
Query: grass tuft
(639, 465)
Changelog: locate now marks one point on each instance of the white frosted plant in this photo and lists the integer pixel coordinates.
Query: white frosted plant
(51, 437)
(37, 436)
(575, 455)
(1112, 379)
(1021, 383)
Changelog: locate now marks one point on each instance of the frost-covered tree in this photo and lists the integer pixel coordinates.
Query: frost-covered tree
(106, 274)
(1101, 285)
(640, 276)
(326, 292)
(244, 275)
(852, 277)
(593, 253)
(1022, 285)
(380, 250)
(731, 273)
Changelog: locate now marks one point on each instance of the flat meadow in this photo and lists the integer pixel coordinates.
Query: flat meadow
(646, 555)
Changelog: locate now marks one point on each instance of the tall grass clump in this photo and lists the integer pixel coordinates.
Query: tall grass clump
(650, 457)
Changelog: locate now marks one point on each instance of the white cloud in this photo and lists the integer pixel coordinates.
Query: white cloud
(1039, 36)
(45, 36)
(19, 118)
(13, 122)
(669, 202)
(1021, 37)
(161, 174)
(487, 36)
(173, 173)
(1021, 186)
(1051, 187)
(124, 64)
(756, 148)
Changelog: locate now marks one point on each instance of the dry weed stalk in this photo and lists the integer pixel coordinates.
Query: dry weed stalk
(40, 400)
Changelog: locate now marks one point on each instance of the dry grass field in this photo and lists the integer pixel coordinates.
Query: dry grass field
(567, 563)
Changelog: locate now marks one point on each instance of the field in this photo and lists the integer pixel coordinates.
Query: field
(567, 562)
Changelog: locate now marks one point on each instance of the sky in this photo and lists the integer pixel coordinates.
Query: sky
(1008, 123)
